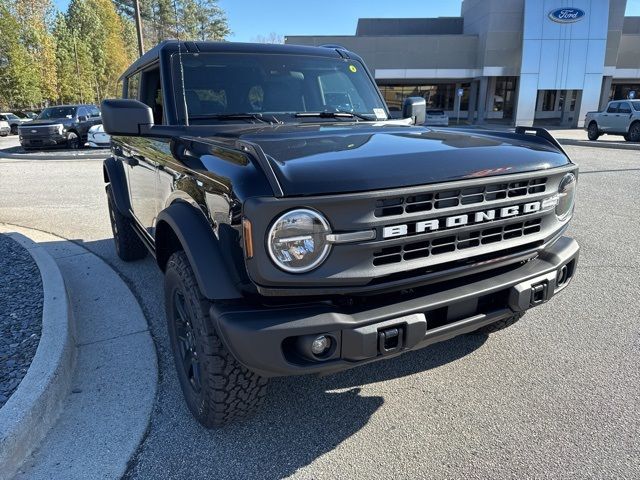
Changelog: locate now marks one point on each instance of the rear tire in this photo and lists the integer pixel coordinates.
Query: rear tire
(216, 388)
(634, 133)
(501, 324)
(592, 131)
(129, 247)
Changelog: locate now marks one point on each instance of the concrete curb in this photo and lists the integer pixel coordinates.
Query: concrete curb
(44, 156)
(596, 144)
(34, 407)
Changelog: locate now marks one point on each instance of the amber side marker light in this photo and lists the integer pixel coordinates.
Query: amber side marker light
(248, 238)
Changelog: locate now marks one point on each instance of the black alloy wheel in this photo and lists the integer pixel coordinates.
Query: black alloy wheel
(634, 133)
(186, 343)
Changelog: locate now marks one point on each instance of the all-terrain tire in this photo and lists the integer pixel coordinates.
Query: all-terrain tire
(501, 324)
(216, 388)
(592, 131)
(129, 247)
(634, 133)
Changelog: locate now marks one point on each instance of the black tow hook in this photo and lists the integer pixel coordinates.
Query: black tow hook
(390, 340)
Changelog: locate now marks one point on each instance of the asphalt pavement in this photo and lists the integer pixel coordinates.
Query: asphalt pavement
(554, 396)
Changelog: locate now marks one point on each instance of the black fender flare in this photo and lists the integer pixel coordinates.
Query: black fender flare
(113, 172)
(203, 249)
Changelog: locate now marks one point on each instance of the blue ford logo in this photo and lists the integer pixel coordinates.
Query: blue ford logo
(566, 15)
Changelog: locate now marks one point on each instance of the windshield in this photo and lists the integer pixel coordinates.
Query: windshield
(57, 112)
(275, 86)
(11, 116)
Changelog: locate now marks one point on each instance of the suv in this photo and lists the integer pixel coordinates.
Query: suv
(14, 121)
(60, 126)
(621, 117)
(301, 231)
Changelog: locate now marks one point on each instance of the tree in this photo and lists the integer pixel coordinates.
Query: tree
(203, 20)
(19, 80)
(273, 37)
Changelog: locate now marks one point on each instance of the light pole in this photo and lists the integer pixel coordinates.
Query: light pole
(136, 7)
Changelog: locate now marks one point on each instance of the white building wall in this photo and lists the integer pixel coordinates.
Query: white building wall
(562, 56)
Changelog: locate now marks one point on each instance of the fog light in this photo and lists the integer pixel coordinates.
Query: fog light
(321, 345)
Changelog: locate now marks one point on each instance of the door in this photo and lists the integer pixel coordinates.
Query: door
(140, 154)
(623, 118)
(607, 119)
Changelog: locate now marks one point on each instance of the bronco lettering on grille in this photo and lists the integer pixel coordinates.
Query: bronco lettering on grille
(467, 218)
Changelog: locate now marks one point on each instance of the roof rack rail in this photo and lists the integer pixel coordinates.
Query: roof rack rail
(333, 45)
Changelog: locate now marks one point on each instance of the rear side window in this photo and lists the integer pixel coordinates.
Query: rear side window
(636, 106)
(624, 108)
(133, 86)
(613, 108)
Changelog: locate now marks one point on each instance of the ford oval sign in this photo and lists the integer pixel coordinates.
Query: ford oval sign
(566, 15)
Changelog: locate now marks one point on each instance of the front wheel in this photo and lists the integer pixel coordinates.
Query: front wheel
(73, 141)
(634, 133)
(592, 131)
(216, 388)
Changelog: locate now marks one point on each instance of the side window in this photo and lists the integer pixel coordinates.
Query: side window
(94, 112)
(133, 86)
(613, 107)
(151, 93)
(624, 108)
(83, 112)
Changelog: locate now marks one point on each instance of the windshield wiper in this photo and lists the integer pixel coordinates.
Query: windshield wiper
(237, 116)
(333, 115)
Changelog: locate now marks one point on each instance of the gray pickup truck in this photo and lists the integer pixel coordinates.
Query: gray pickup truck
(621, 117)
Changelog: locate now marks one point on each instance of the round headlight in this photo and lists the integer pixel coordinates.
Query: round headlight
(297, 241)
(566, 196)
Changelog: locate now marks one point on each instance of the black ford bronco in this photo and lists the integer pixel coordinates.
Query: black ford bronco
(300, 230)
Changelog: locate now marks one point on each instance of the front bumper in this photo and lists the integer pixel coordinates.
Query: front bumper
(37, 141)
(273, 341)
(4, 131)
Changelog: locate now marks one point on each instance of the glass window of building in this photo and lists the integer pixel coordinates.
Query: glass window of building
(440, 96)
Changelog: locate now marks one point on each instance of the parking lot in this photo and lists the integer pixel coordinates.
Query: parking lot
(555, 396)
(10, 147)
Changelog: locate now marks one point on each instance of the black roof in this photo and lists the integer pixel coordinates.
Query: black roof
(197, 47)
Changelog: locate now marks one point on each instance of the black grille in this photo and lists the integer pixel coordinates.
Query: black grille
(451, 243)
(425, 202)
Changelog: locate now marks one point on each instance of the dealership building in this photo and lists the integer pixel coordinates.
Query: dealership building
(523, 62)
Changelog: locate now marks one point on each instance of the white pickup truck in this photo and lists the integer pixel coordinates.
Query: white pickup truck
(621, 117)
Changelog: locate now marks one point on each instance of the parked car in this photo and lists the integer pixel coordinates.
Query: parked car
(97, 138)
(299, 238)
(436, 118)
(27, 114)
(13, 120)
(621, 117)
(5, 129)
(61, 126)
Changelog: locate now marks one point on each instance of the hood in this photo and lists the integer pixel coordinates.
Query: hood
(51, 121)
(319, 159)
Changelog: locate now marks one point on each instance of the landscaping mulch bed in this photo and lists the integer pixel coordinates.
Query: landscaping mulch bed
(21, 300)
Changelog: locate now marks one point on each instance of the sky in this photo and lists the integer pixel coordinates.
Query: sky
(250, 18)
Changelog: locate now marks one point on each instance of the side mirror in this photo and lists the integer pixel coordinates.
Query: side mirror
(416, 109)
(126, 117)
(82, 118)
